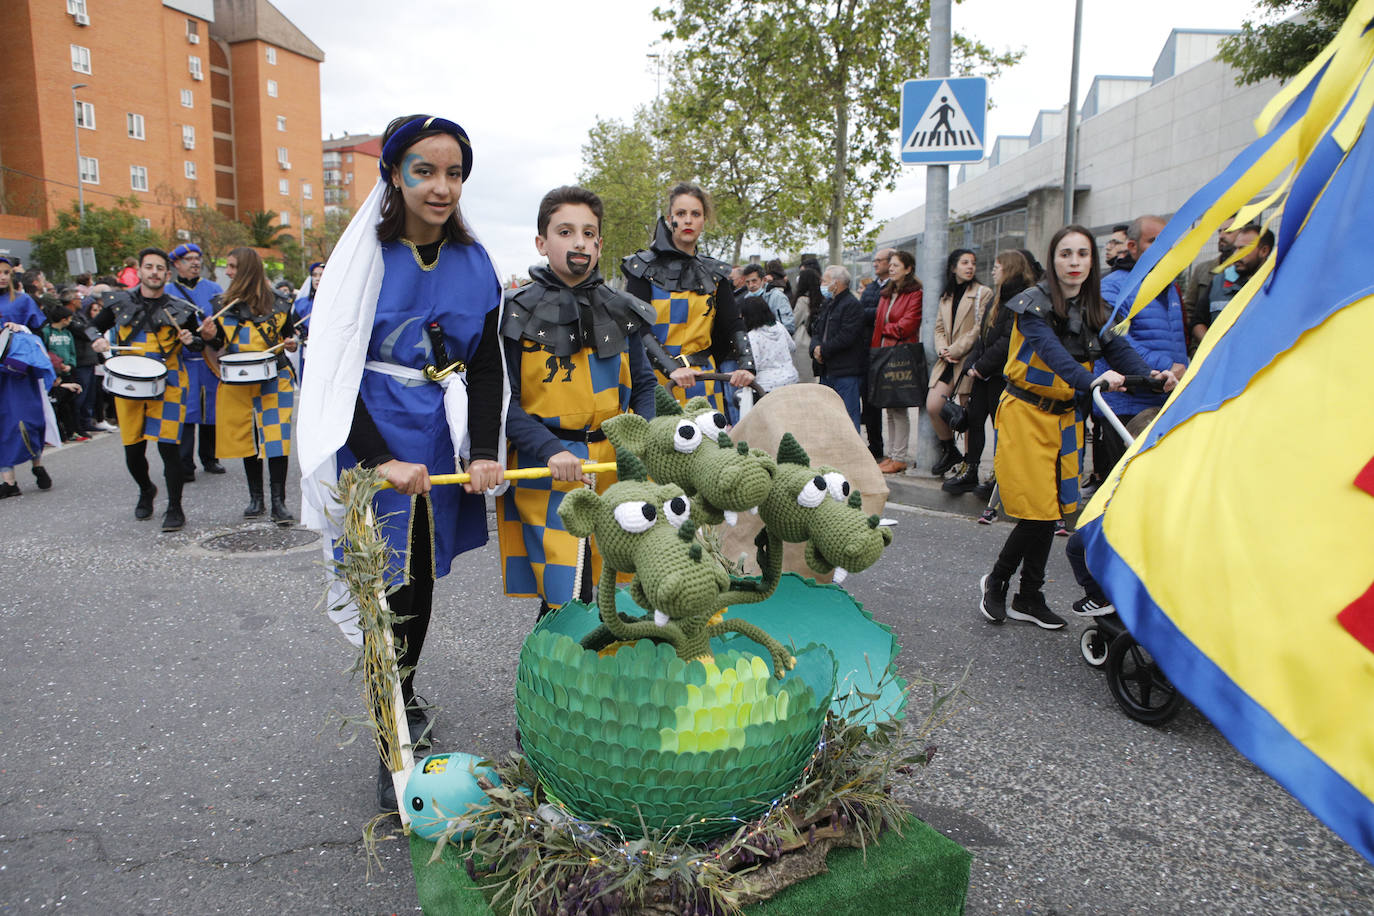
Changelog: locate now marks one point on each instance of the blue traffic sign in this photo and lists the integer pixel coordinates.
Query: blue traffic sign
(943, 120)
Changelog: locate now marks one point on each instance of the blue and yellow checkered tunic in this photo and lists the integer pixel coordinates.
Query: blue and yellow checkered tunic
(578, 391)
(684, 326)
(255, 420)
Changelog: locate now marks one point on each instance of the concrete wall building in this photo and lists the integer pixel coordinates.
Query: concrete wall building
(185, 103)
(350, 170)
(1145, 145)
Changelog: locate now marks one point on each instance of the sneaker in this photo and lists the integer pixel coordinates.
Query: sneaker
(79, 437)
(994, 601)
(9, 489)
(174, 519)
(41, 475)
(988, 517)
(1060, 529)
(105, 427)
(1034, 610)
(1088, 606)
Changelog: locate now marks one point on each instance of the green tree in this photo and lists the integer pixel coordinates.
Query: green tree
(114, 232)
(623, 167)
(215, 233)
(263, 229)
(823, 76)
(321, 239)
(1280, 47)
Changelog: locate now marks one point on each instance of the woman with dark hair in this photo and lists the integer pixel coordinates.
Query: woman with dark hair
(898, 321)
(770, 343)
(698, 319)
(407, 377)
(775, 275)
(1010, 275)
(807, 304)
(253, 421)
(1056, 334)
(956, 328)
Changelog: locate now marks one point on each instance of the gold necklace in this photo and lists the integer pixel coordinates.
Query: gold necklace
(416, 253)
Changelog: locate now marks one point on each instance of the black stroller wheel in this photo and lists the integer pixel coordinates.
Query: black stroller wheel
(1139, 687)
(1094, 646)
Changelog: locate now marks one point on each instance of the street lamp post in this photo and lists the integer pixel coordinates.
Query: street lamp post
(80, 182)
(1071, 125)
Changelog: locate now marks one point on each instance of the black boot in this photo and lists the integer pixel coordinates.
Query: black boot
(386, 789)
(966, 482)
(948, 459)
(252, 469)
(984, 489)
(143, 509)
(174, 520)
(276, 468)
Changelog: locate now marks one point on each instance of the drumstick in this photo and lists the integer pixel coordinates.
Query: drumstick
(301, 322)
(216, 316)
(518, 474)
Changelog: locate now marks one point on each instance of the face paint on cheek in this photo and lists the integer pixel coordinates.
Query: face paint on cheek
(411, 181)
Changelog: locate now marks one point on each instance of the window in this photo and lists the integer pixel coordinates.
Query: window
(90, 170)
(272, 88)
(188, 136)
(191, 203)
(284, 187)
(145, 223)
(308, 221)
(348, 157)
(78, 9)
(283, 157)
(285, 219)
(272, 56)
(192, 32)
(348, 179)
(138, 177)
(307, 191)
(190, 167)
(85, 115)
(188, 99)
(81, 59)
(281, 123)
(196, 73)
(135, 124)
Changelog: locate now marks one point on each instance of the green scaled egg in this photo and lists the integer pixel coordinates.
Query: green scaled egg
(640, 738)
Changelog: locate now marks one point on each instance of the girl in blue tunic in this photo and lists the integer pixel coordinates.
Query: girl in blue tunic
(433, 337)
(22, 418)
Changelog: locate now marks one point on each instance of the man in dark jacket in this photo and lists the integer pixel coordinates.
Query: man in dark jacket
(872, 417)
(839, 351)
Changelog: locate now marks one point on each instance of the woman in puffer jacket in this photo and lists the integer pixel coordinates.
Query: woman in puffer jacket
(898, 321)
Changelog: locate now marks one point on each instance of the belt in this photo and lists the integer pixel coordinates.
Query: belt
(577, 435)
(410, 374)
(701, 358)
(1049, 405)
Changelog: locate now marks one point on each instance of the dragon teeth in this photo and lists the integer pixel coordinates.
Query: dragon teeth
(840, 574)
(754, 510)
(660, 619)
(731, 517)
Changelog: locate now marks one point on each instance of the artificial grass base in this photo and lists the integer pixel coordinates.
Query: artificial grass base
(920, 873)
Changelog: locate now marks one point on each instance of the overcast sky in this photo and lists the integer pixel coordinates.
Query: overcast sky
(528, 78)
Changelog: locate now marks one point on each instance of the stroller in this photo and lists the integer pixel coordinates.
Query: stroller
(1133, 679)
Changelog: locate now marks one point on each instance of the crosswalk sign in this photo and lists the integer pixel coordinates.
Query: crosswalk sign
(943, 120)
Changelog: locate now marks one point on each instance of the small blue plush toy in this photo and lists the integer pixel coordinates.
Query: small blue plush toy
(443, 787)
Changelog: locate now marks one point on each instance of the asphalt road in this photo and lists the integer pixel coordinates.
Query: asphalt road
(170, 741)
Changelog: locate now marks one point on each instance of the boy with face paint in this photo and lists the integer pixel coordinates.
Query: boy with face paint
(575, 352)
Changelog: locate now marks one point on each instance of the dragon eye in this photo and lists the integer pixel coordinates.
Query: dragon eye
(676, 510)
(813, 494)
(686, 438)
(837, 485)
(635, 517)
(711, 425)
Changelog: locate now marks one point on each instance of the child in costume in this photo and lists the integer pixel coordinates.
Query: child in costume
(575, 358)
(407, 377)
(158, 326)
(25, 376)
(697, 317)
(254, 420)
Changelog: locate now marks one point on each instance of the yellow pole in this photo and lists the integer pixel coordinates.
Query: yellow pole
(518, 474)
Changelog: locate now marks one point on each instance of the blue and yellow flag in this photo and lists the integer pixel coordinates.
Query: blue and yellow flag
(1236, 537)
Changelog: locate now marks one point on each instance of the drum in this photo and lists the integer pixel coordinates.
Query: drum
(139, 378)
(247, 368)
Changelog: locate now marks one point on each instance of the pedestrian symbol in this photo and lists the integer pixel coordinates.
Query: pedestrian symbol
(943, 120)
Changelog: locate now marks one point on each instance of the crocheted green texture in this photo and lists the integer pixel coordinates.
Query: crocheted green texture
(819, 507)
(689, 447)
(649, 530)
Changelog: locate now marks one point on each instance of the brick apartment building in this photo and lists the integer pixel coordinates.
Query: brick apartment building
(184, 103)
(350, 169)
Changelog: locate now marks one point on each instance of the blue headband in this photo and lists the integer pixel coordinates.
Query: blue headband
(313, 266)
(405, 135)
(182, 251)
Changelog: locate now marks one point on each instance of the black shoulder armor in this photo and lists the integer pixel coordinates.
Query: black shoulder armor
(1034, 301)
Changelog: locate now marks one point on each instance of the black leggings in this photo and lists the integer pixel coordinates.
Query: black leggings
(1028, 546)
(136, 460)
(414, 600)
(982, 403)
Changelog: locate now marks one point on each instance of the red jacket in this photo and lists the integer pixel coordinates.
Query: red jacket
(898, 322)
